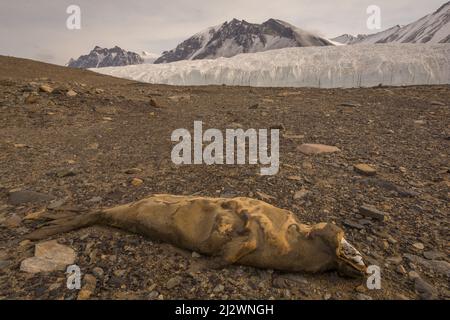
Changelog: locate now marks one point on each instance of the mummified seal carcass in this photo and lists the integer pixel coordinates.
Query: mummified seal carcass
(240, 230)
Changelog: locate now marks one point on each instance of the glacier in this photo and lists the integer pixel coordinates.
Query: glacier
(322, 67)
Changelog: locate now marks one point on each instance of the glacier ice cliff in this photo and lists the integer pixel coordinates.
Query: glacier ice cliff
(323, 67)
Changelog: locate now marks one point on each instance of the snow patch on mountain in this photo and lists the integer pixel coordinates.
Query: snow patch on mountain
(103, 57)
(323, 67)
(239, 36)
(433, 28)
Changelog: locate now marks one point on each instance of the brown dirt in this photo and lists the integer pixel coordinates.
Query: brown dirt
(99, 134)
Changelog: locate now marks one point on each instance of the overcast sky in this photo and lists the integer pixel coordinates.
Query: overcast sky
(36, 29)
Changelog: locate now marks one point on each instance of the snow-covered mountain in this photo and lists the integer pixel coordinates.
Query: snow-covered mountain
(433, 28)
(325, 67)
(239, 36)
(149, 57)
(103, 57)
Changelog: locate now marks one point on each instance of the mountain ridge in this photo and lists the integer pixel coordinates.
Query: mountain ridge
(432, 28)
(239, 36)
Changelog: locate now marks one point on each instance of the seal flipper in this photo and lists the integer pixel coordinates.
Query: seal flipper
(66, 224)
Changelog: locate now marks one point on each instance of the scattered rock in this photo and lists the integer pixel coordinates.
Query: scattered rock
(195, 255)
(353, 224)
(4, 264)
(301, 194)
(173, 282)
(179, 98)
(56, 204)
(394, 260)
(20, 145)
(433, 255)
(137, 182)
(361, 296)
(66, 173)
(425, 290)
(418, 246)
(60, 90)
(49, 256)
(13, 222)
(98, 272)
(349, 104)
(372, 212)
(98, 91)
(413, 275)
(23, 197)
(401, 269)
(89, 285)
(265, 197)
(32, 98)
(254, 106)
(293, 136)
(365, 169)
(438, 266)
(71, 93)
(155, 104)
(133, 171)
(95, 200)
(361, 289)
(46, 88)
(438, 103)
(219, 288)
(317, 149)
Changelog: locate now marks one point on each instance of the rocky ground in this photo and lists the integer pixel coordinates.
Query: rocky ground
(73, 140)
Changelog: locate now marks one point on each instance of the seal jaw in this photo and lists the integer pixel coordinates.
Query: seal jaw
(350, 260)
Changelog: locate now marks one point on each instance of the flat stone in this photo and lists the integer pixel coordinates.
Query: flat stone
(56, 252)
(353, 224)
(71, 93)
(437, 266)
(219, 288)
(49, 256)
(56, 204)
(46, 88)
(23, 197)
(37, 265)
(133, 171)
(98, 272)
(89, 285)
(365, 169)
(309, 148)
(433, 255)
(425, 290)
(394, 260)
(301, 194)
(95, 200)
(173, 282)
(437, 103)
(372, 212)
(13, 222)
(4, 264)
(137, 182)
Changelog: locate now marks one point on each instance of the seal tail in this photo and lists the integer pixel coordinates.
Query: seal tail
(65, 224)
